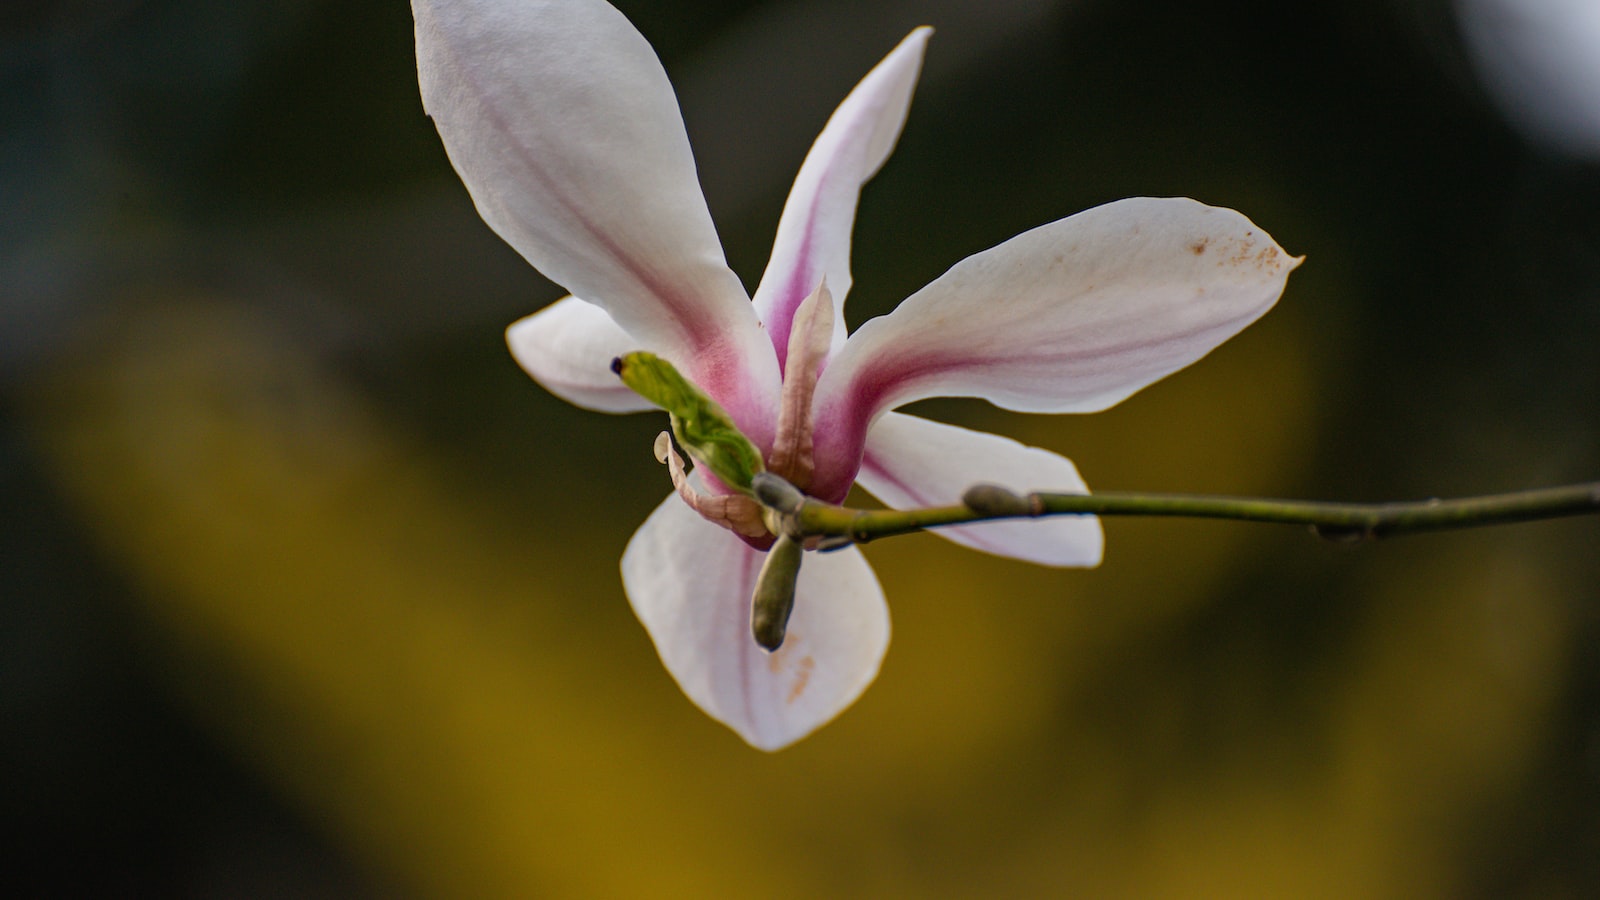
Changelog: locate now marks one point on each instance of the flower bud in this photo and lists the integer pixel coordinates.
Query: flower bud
(774, 597)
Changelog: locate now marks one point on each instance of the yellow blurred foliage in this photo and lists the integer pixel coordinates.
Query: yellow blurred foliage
(419, 674)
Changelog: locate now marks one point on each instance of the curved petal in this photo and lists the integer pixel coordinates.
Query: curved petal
(561, 122)
(813, 239)
(1070, 317)
(911, 462)
(568, 347)
(690, 583)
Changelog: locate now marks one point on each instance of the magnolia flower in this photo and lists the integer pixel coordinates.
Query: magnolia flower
(560, 120)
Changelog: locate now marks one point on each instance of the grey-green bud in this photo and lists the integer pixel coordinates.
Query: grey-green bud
(774, 597)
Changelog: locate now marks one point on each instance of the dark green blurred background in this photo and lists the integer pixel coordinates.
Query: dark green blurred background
(309, 591)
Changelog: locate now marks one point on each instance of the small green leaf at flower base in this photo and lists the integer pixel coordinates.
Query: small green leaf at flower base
(702, 427)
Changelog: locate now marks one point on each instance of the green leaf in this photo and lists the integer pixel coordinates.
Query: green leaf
(702, 427)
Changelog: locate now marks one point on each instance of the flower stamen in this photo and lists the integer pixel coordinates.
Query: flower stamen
(809, 338)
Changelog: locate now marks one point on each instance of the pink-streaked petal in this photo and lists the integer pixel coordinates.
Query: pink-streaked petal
(690, 583)
(1070, 317)
(561, 122)
(568, 347)
(912, 462)
(813, 239)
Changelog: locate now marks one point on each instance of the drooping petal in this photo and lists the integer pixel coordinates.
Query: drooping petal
(561, 122)
(1070, 317)
(568, 347)
(912, 462)
(690, 584)
(813, 239)
(739, 514)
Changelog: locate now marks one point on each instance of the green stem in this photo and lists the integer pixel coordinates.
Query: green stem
(1334, 521)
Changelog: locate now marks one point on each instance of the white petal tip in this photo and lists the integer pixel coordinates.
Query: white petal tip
(912, 462)
(567, 347)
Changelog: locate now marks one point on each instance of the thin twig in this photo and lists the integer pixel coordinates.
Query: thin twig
(838, 525)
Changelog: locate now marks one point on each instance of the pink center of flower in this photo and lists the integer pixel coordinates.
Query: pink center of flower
(791, 458)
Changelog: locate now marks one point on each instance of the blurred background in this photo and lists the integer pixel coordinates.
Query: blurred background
(309, 592)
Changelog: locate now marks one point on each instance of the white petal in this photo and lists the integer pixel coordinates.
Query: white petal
(813, 239)
(1070, 317)
(913, 462)
(568, 347)
(690, 583)
(561, 122)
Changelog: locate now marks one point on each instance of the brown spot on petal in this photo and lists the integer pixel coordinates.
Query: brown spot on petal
(1199, 247)
(1253, 251)
(802, 677)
